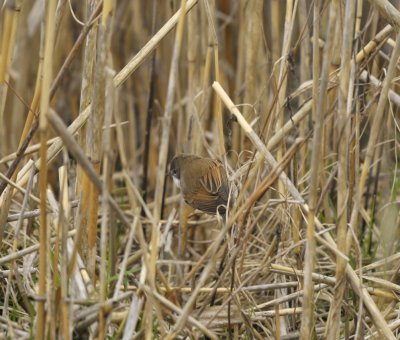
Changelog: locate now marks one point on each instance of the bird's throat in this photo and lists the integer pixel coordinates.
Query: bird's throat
(177, 182)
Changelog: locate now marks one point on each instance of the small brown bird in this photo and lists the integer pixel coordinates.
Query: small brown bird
(204, 186)
(203, 182)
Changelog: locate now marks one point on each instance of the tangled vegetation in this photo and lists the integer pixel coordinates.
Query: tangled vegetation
(298, 99)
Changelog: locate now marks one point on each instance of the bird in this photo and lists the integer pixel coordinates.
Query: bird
(204, 186)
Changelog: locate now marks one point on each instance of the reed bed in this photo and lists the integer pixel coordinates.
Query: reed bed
(299, 100)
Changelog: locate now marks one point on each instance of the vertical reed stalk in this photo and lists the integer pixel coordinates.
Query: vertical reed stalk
(162, 160)
(376, 125)
(305, 75)
(213, 41)
(307, 321)
(100, 105)
(65, 321)
(7, 46)
(236, 279)
(43, 130)
(83, 187)
(193, 79)
(344, 95)
(6, 49)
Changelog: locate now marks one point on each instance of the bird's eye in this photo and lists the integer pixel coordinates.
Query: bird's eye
(174, 172)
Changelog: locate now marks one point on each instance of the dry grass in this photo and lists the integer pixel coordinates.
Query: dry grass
(298, 98)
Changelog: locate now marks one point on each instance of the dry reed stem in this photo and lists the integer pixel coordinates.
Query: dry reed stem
(376, 126)
(255, 139)
(11, 15)
(62, 234)
(361, 291)
(291, 8)
(388, 11)
(19, 188)
(103, 100)
(6, 195)
(162, 161)
(29, 150)
(173, 307)
(118, 80)
(307, 320)
(52, 152)
(30, 127)
(14, 246)
(263, 268)
(135, 62)
(59, 126)
(83, 186)
(351, 275)
(193, 76)
(344, 95)
(217, 107)
(305, 75)
(132, 317)
(43, 125)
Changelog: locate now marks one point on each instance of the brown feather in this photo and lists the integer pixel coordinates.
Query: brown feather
(204, 183)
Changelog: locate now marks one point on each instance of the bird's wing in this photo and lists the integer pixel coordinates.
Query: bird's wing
(211, 189)
(215, 181)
